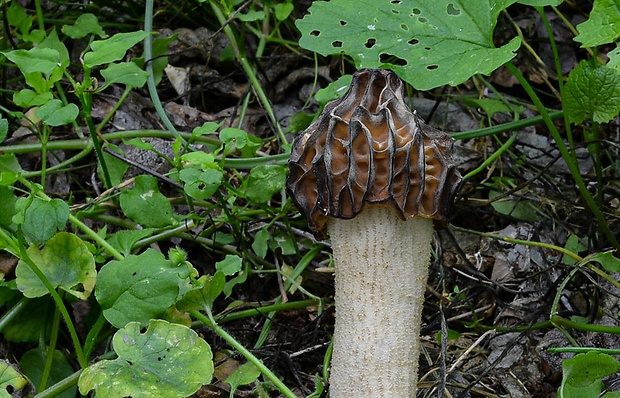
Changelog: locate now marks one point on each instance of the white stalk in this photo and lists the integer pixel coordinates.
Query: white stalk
(381, 271)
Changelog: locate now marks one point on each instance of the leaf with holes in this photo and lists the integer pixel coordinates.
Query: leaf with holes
(10, 379)
(167, 360)
(139, 288)
(429, 43)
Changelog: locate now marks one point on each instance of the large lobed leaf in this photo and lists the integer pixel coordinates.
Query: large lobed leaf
(429, 43)
(168, 360)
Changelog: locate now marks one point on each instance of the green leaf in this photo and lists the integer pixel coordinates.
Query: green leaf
(239, 139)
(43, 219)
(55, 113)
(9, 168)
(146, 205)
(242, 376)
(65, 261)
(230, 265)
(592, 92)
(491, 106)
(607, 261)
(284, 242)
(333, 90)
(264, 181)
(84, 25)
(429, 43)
(205, 129)
(614, 59)
(52, 41)
(127, 73)
(41, 60)
(200, 159)
(519, 209)
(251, 16)
(33, 362)
(4, 128)
(160, 59)
(203, 296)
(602, 27)
(125, 239)
(283, 10)
(31, 322)
(168, 360)
(540, 3)
(7, 206)
(112, 49)
(260, 244)
(581, 375)
(10, 379)
(139, 287)
(575, 246)
(116, 167)
(18, 17)
(201, 184)
(27, 98)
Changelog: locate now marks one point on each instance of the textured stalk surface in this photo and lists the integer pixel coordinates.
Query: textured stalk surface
(381, 271)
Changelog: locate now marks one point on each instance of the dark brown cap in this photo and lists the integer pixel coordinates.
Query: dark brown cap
(368, 147)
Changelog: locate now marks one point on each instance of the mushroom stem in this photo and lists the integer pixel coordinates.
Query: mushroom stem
(381, 271)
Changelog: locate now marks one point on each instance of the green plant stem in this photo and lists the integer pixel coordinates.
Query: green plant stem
(13, 312)
(39, 11)
(97, 144)
(299, 269)
(249, 71)
(119, 135)
(110, 115)
(60, 305)
(570, 161)
(94, 236)
(73, 219)
(82, 154)
(502, 128)
(559, 75)
(491, 158)
(91, 338)
(245, 352)
(520, 242)
(560, 321)
(580, 350)
(44, 138)
(51, 349)
(150, 82)
(61, 386)
(273, 308)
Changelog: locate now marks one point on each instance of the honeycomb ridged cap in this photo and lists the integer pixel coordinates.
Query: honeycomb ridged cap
(368, 147)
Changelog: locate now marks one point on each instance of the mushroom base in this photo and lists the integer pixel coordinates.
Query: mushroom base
(381, 272)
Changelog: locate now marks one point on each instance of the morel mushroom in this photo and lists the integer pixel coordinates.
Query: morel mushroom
(372, 174)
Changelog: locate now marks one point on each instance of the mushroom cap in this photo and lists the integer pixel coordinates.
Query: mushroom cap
(368, 147)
